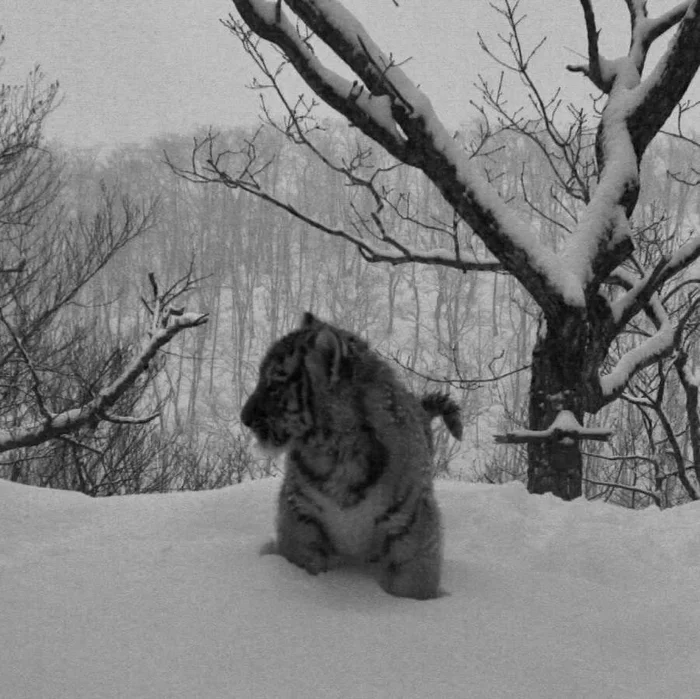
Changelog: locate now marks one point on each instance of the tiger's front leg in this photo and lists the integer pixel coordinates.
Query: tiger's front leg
(302, 540)
(411, 563)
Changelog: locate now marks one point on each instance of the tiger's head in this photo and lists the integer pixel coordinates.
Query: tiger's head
(296, 374)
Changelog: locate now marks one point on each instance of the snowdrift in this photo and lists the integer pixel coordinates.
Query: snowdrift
(166, 596)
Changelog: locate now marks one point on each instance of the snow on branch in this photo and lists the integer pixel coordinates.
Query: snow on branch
(649, 351)
(603, 72)
(168, 322)
(660, 92)
(641, 291)
(652, 29)
(565, 427)
(635, 111)
(658, 345)
(385, 104)
(369, 110)
(649, 102)
(602, 239)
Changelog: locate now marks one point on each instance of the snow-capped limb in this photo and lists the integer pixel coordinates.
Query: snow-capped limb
(368, 109)
(646, 30)
(58, 424)
(389, 108)
(658, 345)
(564, 426)
(602, 72)
(641, 291)
(604, 228)
(627, 280)
(682, 258)
(635, 111)
(659, 93)
(638, 295)
(602, 239)
(662, 90)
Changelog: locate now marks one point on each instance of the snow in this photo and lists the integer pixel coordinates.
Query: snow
(511, 227)
(564, 425)
(605, 214)
(167, 596)
(517, 233)
(626, 301)
(376, 107)
(688, 251)
(683, 9)
(642, 355)
(623, 69)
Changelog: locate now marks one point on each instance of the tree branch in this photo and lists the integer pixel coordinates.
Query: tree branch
(400, 254)
(60, 424)
(631, 488)
(387, 107)
(658, 94)
(640, 293)
(564, 427)
(592, 71)
(660, 344)
(655, 28)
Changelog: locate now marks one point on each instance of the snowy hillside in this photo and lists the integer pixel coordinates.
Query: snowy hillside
(166, 596)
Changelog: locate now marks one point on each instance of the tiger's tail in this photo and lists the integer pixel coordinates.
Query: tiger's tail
(441, 405)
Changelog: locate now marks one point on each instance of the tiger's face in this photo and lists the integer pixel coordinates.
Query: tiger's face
(294, 375)
(279, 409)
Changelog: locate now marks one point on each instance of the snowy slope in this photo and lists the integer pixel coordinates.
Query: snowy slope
(166, 596)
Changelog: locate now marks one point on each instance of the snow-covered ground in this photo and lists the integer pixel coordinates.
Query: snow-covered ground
(166, 596)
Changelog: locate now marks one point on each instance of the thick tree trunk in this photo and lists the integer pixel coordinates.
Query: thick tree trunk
(553, 466)
(565, 363)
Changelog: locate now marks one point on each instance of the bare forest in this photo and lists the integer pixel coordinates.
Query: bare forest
(105, 257)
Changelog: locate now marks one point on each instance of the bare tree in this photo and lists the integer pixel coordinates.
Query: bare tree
(50, 249)
(657, 457)
(590, 288)
(32, 421)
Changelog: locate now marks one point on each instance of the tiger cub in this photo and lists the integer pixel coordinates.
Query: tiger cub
(357, 483)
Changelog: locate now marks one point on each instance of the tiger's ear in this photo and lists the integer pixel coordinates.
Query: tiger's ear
(309, 320)
(329, 350)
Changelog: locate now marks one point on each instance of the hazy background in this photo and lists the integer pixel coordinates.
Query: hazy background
(135, 69)
(142, 78)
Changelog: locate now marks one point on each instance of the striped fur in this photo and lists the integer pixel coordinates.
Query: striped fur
(357, 483)
(441, 405)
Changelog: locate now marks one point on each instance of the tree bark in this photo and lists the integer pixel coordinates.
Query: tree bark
(554, 466)
(566, 363)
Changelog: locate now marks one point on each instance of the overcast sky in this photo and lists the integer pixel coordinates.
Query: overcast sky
(133, 69)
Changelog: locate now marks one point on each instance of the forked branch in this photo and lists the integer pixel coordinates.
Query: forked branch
(166, 325)
(385, 105)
